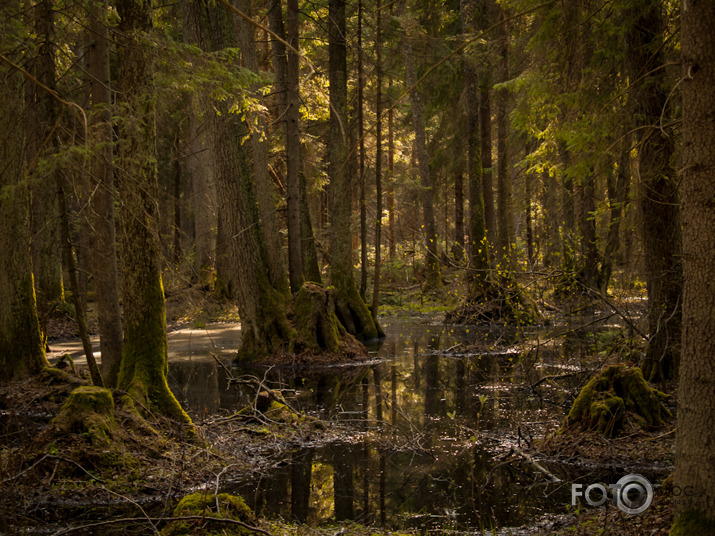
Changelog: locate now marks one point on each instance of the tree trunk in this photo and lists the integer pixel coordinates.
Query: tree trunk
(144, 357)
(458, 249)
(378, 163)
(694, 455)
(658, 196)
(550, 204)
(21, 347)
(505, 243)
(199, 162)
(295, 239)
(479, 251)
(350, 307)
(41, 141)
(482, 18)
(199, 167)
(391, 176)
(588, 254)
(264, 184)
(79, 307)
(530, 257)
(104, 247)
(361, 158)
(433, 280)
(617, 186)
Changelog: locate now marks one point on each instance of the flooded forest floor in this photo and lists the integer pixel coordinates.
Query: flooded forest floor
(444, 430)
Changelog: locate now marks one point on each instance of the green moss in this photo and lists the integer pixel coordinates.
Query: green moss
(271, 332)
(203, 503)
(318, 327)
(613, 392)
(145, 358)
(693, 523)
(606, 411)
(351, 309)
(88, 411)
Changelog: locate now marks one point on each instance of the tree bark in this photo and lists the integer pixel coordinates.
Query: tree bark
(482, 18)
(658, 195)
(22, 351)
(433, 280)
(378, 162)
(361, 158)
(41, 141)
(104, 246)
(505, 228)
(617, 185)
(144, 356)
(479, 251)
(264, 185)
(295, 238)
(350, 307)
(694, 455)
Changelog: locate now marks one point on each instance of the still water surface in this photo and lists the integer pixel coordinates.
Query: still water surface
(433, 428)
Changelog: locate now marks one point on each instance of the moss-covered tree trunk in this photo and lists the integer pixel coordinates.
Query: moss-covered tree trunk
(144, 357)
(694, 452)
(21, 348)
(264, 185)
(350, 307)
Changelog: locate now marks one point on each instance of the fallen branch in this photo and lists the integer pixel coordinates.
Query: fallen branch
(557, 377)
(536, 465)
(82, 528)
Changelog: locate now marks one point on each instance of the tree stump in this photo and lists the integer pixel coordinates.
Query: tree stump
(89, 412)
(617, 391)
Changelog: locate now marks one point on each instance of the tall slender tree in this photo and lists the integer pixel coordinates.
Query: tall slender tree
(104, 248)
(433, 276)
(378, 161)
(350, 307)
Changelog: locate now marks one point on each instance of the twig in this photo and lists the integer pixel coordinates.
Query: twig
(218, 480)
(536, 465)
(557, 377)
(159, 520)
(26, 470)
(128, 499)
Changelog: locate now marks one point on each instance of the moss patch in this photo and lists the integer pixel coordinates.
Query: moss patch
(203, 503)
(612, 394)
(89, 412)
(693, 523)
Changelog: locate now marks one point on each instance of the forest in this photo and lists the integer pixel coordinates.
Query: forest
(319, 266)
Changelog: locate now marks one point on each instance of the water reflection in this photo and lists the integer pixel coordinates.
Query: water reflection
(439, 427)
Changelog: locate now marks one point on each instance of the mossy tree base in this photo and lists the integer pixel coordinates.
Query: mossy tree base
(693, 523)
(88, 412)
(489, 302)
(312, 327)
(204, 504)
(352, 311)
(617, 391)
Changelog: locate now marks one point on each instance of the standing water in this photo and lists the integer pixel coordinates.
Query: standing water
(433, 433)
